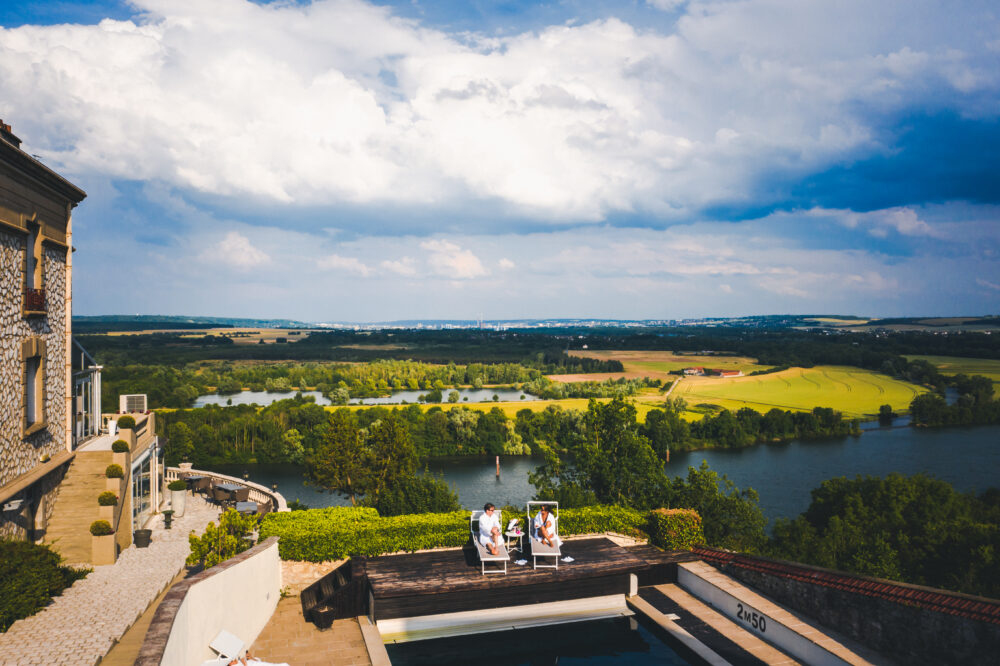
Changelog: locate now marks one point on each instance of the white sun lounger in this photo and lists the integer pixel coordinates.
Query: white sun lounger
(539, 549)
(484, 553)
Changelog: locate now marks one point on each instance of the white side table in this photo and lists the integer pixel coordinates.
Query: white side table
(514, 540)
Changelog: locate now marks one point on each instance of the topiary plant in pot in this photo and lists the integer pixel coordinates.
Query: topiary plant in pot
(102, 542)
(126, 422)
(178, 496)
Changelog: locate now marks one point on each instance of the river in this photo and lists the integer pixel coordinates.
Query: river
(264, 398)
(783, 474)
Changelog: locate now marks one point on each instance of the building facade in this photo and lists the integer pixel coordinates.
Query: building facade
(37, 410)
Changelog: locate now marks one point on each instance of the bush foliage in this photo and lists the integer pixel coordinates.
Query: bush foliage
(107, 498)
(101, 528)
(114, 471)
(177, 484)
(334, 533)
(30, 576)
(126, 422)
(675, 529)
(417, 494)
(120, 446)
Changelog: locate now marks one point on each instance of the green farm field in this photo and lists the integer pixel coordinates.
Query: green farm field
(954, 365)
(853, 391)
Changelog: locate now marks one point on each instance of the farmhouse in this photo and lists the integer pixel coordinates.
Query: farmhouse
(697, 372)
(730, 373)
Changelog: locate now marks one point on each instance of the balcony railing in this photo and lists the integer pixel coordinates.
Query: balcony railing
(34, 300)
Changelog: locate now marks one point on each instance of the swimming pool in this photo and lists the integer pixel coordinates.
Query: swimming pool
(619, 640)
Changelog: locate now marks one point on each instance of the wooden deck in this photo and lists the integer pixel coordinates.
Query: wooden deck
(450, 581)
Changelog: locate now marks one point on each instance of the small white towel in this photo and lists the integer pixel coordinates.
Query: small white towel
(520, 562)
(567, 559)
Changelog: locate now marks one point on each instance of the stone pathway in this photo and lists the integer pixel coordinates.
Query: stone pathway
(82, 625)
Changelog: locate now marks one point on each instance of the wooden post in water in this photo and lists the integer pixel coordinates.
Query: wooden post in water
(668, 455)
(498, 467)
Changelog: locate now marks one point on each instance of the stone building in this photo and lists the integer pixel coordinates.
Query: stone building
(36, 374)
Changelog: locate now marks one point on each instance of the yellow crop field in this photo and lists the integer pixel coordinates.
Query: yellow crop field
(954, 365)
(853, 391)
(659, 364)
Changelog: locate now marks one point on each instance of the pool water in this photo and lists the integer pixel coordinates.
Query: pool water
(620, 640)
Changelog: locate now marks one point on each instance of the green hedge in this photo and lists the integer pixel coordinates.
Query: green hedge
(120, 446)
(675, 529)
(113, 471)
(317, 535)
(30, 576)
(126, 422)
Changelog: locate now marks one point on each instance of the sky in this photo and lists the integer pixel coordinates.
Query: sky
(343, 160)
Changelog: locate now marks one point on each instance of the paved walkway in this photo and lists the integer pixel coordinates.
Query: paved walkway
(82, 625)
(288, 638)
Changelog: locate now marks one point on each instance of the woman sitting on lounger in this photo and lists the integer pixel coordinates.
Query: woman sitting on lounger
(489, 529)
(543, 527)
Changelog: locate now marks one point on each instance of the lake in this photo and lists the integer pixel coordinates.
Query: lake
(783, 474)
(264, 398)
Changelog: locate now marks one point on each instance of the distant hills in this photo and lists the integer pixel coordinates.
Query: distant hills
(109, 323)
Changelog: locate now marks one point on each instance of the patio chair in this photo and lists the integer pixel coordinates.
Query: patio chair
(539, 549)
(203, 485)
(484, 553)
(221, 496)
(227, 646)
(242, 495)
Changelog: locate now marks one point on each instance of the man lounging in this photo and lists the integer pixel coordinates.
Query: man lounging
(543, 527)
(489, 529)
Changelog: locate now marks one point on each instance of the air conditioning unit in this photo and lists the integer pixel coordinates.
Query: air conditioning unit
(132, 403)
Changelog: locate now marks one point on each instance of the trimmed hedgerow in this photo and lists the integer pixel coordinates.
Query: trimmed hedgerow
(675, 529)
(334, 533)
(30, 575)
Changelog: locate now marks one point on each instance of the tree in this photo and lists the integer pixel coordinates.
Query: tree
(731, 517)
(339, 462)
(453, 397)
(416, 494)
(389, 455)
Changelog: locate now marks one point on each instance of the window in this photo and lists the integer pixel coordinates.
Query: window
(33, 359)
(34, 292)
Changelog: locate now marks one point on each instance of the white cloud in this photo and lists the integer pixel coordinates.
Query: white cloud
(506, 264)
(340, 102)
(402, 266)
(345, 264)
(236, 251)
(449, 260)
(989, 285)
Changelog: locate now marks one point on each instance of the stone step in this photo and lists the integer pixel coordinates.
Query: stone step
(68, 530)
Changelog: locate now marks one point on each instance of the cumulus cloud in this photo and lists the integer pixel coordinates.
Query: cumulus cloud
(902, 220)
(450, 261)
(404, 266)
(506, 264)
(236, 251)
(338, 102)
(345, 264)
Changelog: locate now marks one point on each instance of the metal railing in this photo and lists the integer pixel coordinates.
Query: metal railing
(258, 493)
(34, 299)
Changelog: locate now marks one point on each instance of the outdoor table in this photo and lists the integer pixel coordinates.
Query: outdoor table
(192, 479)
(514, 540)
(228, 488)
(246, 507)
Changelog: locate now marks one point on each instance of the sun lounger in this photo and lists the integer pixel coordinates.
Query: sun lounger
(539, 549)
(484, 553)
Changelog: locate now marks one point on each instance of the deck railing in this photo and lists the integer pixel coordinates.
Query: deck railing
(258, 493)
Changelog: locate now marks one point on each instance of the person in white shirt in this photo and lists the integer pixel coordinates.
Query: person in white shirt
(543, 527)
(489, 529)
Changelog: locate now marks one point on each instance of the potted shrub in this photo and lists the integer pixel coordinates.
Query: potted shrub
(178, 494)
(120, 450)
(126, 422)
(114, 474)
(107, 501)
(102, 543)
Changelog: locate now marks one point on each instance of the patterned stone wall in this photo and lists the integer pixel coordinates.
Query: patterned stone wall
(19, 455)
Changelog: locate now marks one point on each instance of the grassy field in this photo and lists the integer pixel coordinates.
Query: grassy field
(853, 391)
(658, 364)
(954, 365)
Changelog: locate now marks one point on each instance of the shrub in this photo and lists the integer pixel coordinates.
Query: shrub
(675, 529)
(101, 528)
(114, 472)
(334, 533)
(417, 494)
(126, 422)
(177, 484)
(107, 498)
(220, 543)
(30, 575)
(120, 446)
